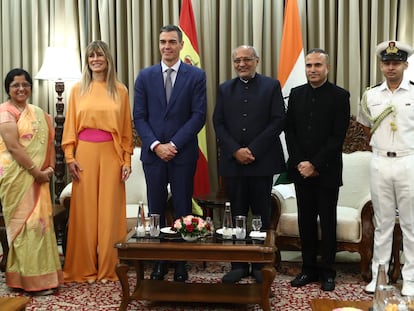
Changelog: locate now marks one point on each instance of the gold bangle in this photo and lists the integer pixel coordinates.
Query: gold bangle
(31, 168)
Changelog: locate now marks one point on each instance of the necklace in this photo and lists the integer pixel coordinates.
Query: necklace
(18, 107)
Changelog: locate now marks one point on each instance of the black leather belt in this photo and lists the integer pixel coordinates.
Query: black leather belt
(391, 154)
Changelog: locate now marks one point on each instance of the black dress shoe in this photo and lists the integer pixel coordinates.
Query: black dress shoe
(235, 275)
(328, 284)
(257, 274)
(159, 271)
(180, 273)
(302, 279)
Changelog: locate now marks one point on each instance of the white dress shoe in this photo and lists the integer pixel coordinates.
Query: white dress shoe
(407, 288)
(370, 288)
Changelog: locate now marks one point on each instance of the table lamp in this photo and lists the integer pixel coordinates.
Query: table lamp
(59, 64)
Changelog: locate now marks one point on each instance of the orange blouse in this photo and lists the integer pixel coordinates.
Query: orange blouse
(97, 110)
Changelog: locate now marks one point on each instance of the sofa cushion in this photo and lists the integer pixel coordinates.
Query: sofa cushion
(349, 224)
(135, 186)
(66, 193)
(356, 176)
(288, 224)
(347, 230)
(287, 197)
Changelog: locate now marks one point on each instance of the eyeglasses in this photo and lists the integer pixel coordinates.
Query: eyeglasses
(19, 85)
(243, 59)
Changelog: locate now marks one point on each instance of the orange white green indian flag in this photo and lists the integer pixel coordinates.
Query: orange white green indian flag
(190, 55)
(291, 70)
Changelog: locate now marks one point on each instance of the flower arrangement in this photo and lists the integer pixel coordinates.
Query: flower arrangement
(190, 225)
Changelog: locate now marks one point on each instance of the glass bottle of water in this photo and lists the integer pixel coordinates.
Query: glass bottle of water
(227, 222)
(140, 227)
(378, 302)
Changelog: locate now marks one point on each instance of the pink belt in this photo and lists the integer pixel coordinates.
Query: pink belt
(95, 135)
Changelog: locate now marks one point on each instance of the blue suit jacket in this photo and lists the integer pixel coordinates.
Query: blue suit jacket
(180, 120)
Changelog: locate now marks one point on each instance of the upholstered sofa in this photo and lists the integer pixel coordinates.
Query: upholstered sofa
(355, 229)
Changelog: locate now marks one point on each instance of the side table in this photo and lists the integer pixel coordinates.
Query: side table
(213, 205)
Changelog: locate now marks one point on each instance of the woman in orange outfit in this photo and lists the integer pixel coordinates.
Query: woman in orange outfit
(97, 141)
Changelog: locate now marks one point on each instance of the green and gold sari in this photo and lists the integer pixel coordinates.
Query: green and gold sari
(33, 261)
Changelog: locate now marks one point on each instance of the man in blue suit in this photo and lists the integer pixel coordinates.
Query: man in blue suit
(168, 129)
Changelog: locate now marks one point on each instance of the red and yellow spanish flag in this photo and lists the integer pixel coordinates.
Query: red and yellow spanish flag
(190, 55)
(291, 71)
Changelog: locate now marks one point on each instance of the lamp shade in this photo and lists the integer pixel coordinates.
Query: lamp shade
(59, 64)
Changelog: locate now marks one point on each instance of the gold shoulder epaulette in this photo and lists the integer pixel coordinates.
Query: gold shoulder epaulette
(372, 86)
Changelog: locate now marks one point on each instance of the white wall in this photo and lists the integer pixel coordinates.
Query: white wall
(409, 72)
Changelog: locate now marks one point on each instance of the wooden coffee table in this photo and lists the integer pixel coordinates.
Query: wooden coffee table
(139, 250)
(330, 304)
(13, 303)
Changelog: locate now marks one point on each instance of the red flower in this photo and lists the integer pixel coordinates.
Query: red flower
(190, 225)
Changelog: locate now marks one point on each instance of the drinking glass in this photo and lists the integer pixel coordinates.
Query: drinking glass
(382, 294)
(256, 222)
(154, 225)
(240, 227)
(397, 303)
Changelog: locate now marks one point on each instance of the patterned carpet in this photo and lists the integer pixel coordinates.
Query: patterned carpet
(106, 297)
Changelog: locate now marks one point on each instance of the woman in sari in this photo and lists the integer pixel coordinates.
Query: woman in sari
(27, 159)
